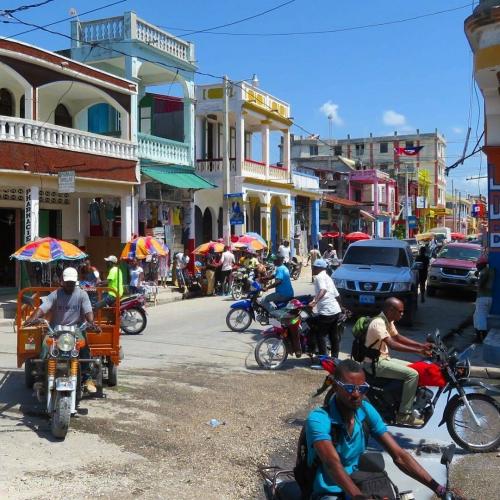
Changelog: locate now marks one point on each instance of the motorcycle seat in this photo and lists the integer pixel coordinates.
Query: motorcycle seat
(385, 383)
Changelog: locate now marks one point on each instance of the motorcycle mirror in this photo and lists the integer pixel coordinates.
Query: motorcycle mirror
(447, 455)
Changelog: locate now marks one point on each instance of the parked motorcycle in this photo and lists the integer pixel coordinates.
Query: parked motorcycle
(55, 377)
(472, 418)
(242, 279)
(133, 319)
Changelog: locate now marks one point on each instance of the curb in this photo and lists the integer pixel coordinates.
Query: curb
(485, 372)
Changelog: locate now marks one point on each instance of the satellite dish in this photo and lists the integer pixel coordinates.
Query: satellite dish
(72, 12)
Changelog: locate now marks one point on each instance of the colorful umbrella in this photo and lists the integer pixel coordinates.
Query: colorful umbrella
(205, 247)
(254, 245)
(47, 250)
(141, 247)
(256, 236)
(332, 234)
(457, 236)
(357, 236)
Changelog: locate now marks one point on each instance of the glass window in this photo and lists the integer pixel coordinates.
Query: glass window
(62, 116)
(337, 150)
(459, 253)
(409, 144)
(376, 256)
(384, 147)
(360, 149)
(6, 103)
(313, 150)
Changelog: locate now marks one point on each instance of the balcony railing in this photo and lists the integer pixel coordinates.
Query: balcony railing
(130, 27)
(305, 181)
(250, 168)
(163, 150)
(52, 136)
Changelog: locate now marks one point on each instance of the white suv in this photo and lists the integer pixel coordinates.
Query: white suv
(374, 270)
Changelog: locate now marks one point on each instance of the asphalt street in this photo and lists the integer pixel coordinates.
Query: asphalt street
(193, 332)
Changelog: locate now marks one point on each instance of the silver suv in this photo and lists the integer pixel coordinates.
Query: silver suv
(374, 270)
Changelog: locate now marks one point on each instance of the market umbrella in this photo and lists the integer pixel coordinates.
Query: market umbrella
(256, 236)
(457, 236)
(251, 245)
(357, 236)
(424, 236)
(332, 234)
(205, 247)
(141, 247)
(47, 250)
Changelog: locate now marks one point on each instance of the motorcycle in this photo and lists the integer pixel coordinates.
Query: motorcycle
(242, 279)
(55, 377)
(472, 418)
(133, 319)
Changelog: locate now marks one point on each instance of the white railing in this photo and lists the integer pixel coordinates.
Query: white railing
(52, 136)
(214, 166)
(163, 150)
(304, 181)
(254, 169)
(278, 173)
(130, 27)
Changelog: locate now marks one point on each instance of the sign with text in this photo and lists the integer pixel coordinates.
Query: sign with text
(66, 181)
(412, 222)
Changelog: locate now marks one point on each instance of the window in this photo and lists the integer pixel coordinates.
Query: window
(409, 144)
(360, 149)
(313, 150)
(62, 116)
(6, 103)
(22, 104)
(337, 150)
(384, 147)
(376, 256)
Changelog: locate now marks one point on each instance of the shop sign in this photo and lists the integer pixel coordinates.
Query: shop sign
(66, 181)
(412, 222)
(236, 213)
(27, 215)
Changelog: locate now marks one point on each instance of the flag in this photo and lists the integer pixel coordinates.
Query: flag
(408, 151)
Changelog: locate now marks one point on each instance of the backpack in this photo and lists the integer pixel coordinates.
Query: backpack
(359, 351)
(303, 472)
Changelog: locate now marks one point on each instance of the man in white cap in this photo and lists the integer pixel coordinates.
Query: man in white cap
(69, 306)
(114, 281)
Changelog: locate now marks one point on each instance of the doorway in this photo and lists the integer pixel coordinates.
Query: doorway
(8, 247)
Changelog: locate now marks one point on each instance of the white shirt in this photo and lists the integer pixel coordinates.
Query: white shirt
(227, 261)
(182, 260)
(284, 252)
(328, 304)
(135, 275)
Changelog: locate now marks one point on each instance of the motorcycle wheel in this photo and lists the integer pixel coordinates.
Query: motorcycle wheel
(112, 374)
(463, 429)
(59, 423)
(29, 378)
(133, 321)
(237, 291)
(238, 320)
(270, 352)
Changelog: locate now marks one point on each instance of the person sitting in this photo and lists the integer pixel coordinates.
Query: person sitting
(348, 410)
(89, 275)
(382, 335)
(114, 281)
(282, 283)
(69, 306)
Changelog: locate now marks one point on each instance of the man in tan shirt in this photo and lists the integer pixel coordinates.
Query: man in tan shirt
(382, 335)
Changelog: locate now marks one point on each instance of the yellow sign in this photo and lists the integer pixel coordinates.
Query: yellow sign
(438, 212)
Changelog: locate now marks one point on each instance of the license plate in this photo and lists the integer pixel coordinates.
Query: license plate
(367, 299)
(65, 384)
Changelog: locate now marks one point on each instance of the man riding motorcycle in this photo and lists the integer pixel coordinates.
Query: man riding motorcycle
(382, 335)
(337, 458)
(282, 283)
(69, 306)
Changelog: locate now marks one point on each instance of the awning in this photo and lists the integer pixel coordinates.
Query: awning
(366, 215)
(179, 177)
(341, 201)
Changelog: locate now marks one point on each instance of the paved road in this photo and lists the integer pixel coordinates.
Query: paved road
(194, 332)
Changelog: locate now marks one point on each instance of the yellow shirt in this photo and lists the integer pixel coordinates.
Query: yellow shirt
(380, 328)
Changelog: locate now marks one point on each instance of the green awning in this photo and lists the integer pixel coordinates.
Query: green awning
(179, 177)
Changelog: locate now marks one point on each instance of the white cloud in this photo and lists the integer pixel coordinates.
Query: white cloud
(457, 130)
(331, 111)
(393, 118)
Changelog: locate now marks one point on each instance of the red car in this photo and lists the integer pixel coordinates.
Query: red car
(454, 268)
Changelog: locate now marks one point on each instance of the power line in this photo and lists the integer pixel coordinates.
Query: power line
(8, 12)
(322, 32)
(259, 14)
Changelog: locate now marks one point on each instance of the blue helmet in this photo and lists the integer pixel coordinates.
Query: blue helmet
(321, 263)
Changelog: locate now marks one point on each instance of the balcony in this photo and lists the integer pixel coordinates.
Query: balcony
(130, 28)
(162, 150)
(254, 169)
(53, 136)
(305, 181)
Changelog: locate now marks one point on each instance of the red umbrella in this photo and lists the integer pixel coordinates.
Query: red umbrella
(457, 236)
(357, 236)
(332, 234)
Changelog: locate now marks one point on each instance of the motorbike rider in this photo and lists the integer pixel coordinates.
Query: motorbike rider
(282, 283)
(328, 310)
(347, 410)
(330, 253)
(69, 306)
(114, 281)
(382, 335)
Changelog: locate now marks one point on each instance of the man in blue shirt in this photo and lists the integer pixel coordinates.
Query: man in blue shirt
(347, 411)
(282, 283)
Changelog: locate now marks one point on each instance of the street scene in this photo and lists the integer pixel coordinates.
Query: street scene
(233, 271)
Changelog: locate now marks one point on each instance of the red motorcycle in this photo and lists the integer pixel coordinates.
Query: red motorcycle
(133, 319)
(472, 418)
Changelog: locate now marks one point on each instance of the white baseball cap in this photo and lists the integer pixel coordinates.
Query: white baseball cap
(70, 274)
(111, 258)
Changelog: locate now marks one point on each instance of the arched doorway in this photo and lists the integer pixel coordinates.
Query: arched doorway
(62, 116)
(6, 103)
(207, 225)
(198, 225)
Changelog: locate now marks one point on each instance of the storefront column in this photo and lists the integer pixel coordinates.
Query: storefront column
(31, 213)
(286, 219)
(265, 145)
(286, 150)
(293, 251)
(132, 67)
(240, 142)
(135, 215)
(189, 229)
(189, 115)
(126, 218)
(200, 147)
(314, 221)
(265, 222)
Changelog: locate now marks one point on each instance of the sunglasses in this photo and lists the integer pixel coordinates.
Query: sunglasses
(350, 388)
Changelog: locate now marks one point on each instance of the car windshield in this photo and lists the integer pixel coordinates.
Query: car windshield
(376, 256)
(459, 253)
(411, 241)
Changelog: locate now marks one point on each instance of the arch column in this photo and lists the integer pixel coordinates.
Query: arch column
(265, 218)
(132, 67)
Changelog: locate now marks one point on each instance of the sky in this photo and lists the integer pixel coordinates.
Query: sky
(397, 76)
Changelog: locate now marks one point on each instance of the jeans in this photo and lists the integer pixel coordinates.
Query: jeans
(273, 297)
(483, 306)
(321, 328)
(107, 300)
(399, 370)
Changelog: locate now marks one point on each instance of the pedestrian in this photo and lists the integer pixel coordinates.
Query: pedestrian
(486, 278)
(136, 273)
(212, 263)
(227, 263)
(314, 254)
(163, 270)
(423, 271)
(181, 262)
(89, 275)
(327, 311)
(284, 251)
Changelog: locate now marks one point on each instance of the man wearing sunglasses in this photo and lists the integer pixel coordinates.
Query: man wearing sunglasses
(382, 335)
(337, 460)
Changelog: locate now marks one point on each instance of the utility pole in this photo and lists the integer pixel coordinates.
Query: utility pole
(226, 179)
(460, 213)
(453, 206)
(407, 222)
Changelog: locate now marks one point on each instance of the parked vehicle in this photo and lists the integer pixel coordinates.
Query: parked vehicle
(472, 418)
(454, 268)
(133, 318)
(372, 271)
(241, 282)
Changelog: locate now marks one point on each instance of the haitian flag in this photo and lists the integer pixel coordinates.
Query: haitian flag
(408, 151)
